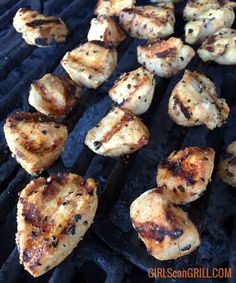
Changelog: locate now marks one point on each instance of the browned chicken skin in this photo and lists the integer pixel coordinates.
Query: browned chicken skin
(183, 176)
(52, 217)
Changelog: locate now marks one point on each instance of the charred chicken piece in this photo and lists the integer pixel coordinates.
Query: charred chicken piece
(90, 64)
(220, 47)
(119, 132)
(54, 96)
(105, 29)
(227, 167)
(207, 24)
(194, 8)
(52, 217)
(148, 22)
(194, 102)
(166, 230)
(112, 7)
(35, 140)
(183, 176)
(38, 29)
(134, 90)
(165, 58)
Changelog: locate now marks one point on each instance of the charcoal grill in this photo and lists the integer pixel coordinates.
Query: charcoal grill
(111, 251)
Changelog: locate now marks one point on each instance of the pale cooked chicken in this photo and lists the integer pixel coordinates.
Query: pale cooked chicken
(164, 1)
(183, 176)
(165, 58)
(148, 22)
(134, 90)
(105, 29)
(207, 23)
(194, 102)
(52, 217)
(38, 29)
(35, 140)
(166, 230)
(194, 8)
(227, 167)
(119, 132)
(90, 64)
(54, 96)
(220, 47)
(112, 7)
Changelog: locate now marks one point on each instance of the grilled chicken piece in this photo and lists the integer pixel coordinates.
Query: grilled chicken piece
(182, 177)
(227, 167)
(54, 96)
(148, 22)
(36, 141)
(166, 230)
(194, 102)
(165, 58)
(119, 132)
(134, 90)
(90, 64)
(105, 29)
(207, 23)
(38, 29)
(220, 47)
(194, 8)
(52, 217)
(161, 2)
(112, 7)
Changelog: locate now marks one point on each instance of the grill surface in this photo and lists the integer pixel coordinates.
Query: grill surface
(111, 250)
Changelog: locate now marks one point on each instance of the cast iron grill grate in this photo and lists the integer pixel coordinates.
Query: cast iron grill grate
(111, 249)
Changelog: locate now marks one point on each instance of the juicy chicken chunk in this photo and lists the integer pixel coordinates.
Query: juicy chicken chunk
(220, 47)
(90, 64)
(164, 1)
(194, 8)
(166, 230)
(36, 141)
(112, 7)
(52, 217)
(119, 132)
(207, 24)
(134, 90)
(194, 102)
(54, 96)
(165, 58)
(183, 176)
(38, 29)
(227, 167)
(148, 22)
(105, 29)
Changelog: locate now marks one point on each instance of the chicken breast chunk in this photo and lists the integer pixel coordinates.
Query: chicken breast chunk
(38, 29)
(165, 58)
(112, 7)
(36, 141)
(220, 47)
(54, 96)
(183, 176)
(91, 64)
(166, 230)
(134, 90)
(148, 22)
(227, 167)
(207, 24)
(194, 8)
(52, 217)
(105, 29)
(194, 102)
(119, 132)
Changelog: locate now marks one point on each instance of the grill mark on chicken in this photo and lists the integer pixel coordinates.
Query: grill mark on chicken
(183, 109)
(170, 52)
(37, 23)
(26, 116)
(116, 128)
(150, 230)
